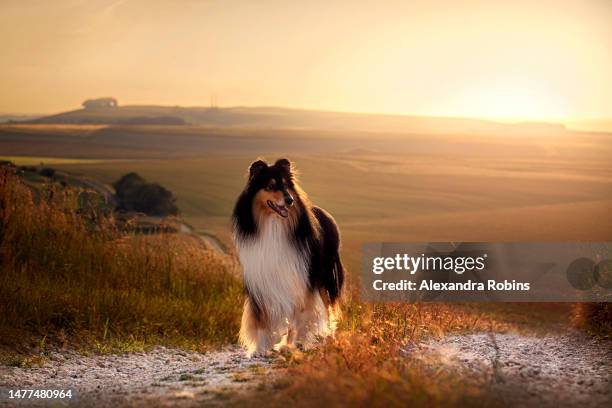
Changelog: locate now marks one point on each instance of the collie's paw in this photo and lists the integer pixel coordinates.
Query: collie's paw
(290, 353)
(285, 349)
(260, 354)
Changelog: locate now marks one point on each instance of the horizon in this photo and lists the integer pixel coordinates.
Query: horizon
(589, 124)
(483, 60)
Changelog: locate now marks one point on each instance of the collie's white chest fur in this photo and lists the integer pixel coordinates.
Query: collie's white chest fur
(275, 271)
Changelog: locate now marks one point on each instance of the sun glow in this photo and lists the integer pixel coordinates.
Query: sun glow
(503, 101)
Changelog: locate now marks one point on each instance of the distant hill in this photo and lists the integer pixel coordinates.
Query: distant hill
(281, 118)
(7, 117)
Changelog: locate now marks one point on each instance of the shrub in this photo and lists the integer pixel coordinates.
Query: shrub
(127, 183)
(47, 172)
(135, 194)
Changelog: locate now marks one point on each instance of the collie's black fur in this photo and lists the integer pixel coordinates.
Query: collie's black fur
(272, 195)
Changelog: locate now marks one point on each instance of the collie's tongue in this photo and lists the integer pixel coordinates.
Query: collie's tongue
(283, 211)
(280, 210)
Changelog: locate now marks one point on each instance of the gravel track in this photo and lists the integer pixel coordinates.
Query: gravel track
(161, 377)
(519, 370)
(568, 370)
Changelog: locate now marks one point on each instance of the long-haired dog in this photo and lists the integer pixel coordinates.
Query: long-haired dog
(289, 251)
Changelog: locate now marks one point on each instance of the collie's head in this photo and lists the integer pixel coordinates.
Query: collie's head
(273, 188)
(271, 191)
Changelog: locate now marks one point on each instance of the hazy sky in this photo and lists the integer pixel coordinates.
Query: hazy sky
(525, 59)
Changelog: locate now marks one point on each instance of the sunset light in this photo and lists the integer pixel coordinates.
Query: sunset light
(489, 59)
(272, 203)
(507, 101)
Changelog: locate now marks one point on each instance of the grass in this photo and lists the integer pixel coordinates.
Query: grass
(596, 318)
(68, 275)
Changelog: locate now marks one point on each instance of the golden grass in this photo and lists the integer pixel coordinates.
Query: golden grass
(595, 318)
(69, 274)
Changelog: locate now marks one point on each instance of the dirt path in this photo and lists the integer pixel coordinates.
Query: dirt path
(567, 370)
(167, 377)
(560, 370)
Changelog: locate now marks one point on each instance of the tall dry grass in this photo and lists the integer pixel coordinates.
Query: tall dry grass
(595, 318)
(378, 358)
(68, 273)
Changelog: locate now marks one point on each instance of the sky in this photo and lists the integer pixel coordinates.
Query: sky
(489, 59)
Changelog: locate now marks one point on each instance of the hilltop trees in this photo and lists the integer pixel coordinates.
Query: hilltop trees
(134, 193)
(100, 103)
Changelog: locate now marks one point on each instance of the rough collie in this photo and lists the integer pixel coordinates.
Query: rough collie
(289, 251)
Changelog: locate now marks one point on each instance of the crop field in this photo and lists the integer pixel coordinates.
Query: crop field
(445, 188)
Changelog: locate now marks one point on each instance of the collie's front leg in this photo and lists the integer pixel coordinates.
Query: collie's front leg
(311, 322)
(287, 342)
(255, 335)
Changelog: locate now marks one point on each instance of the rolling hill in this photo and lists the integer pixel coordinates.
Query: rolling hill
(283, 118)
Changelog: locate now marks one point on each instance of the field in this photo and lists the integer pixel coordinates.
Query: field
(534, 185)
(506, 187)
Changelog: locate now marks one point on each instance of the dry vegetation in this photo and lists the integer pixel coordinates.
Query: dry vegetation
(596, 318)
(69, 275)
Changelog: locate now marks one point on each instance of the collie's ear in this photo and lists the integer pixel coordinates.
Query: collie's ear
(256, 167)
(283, 163)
